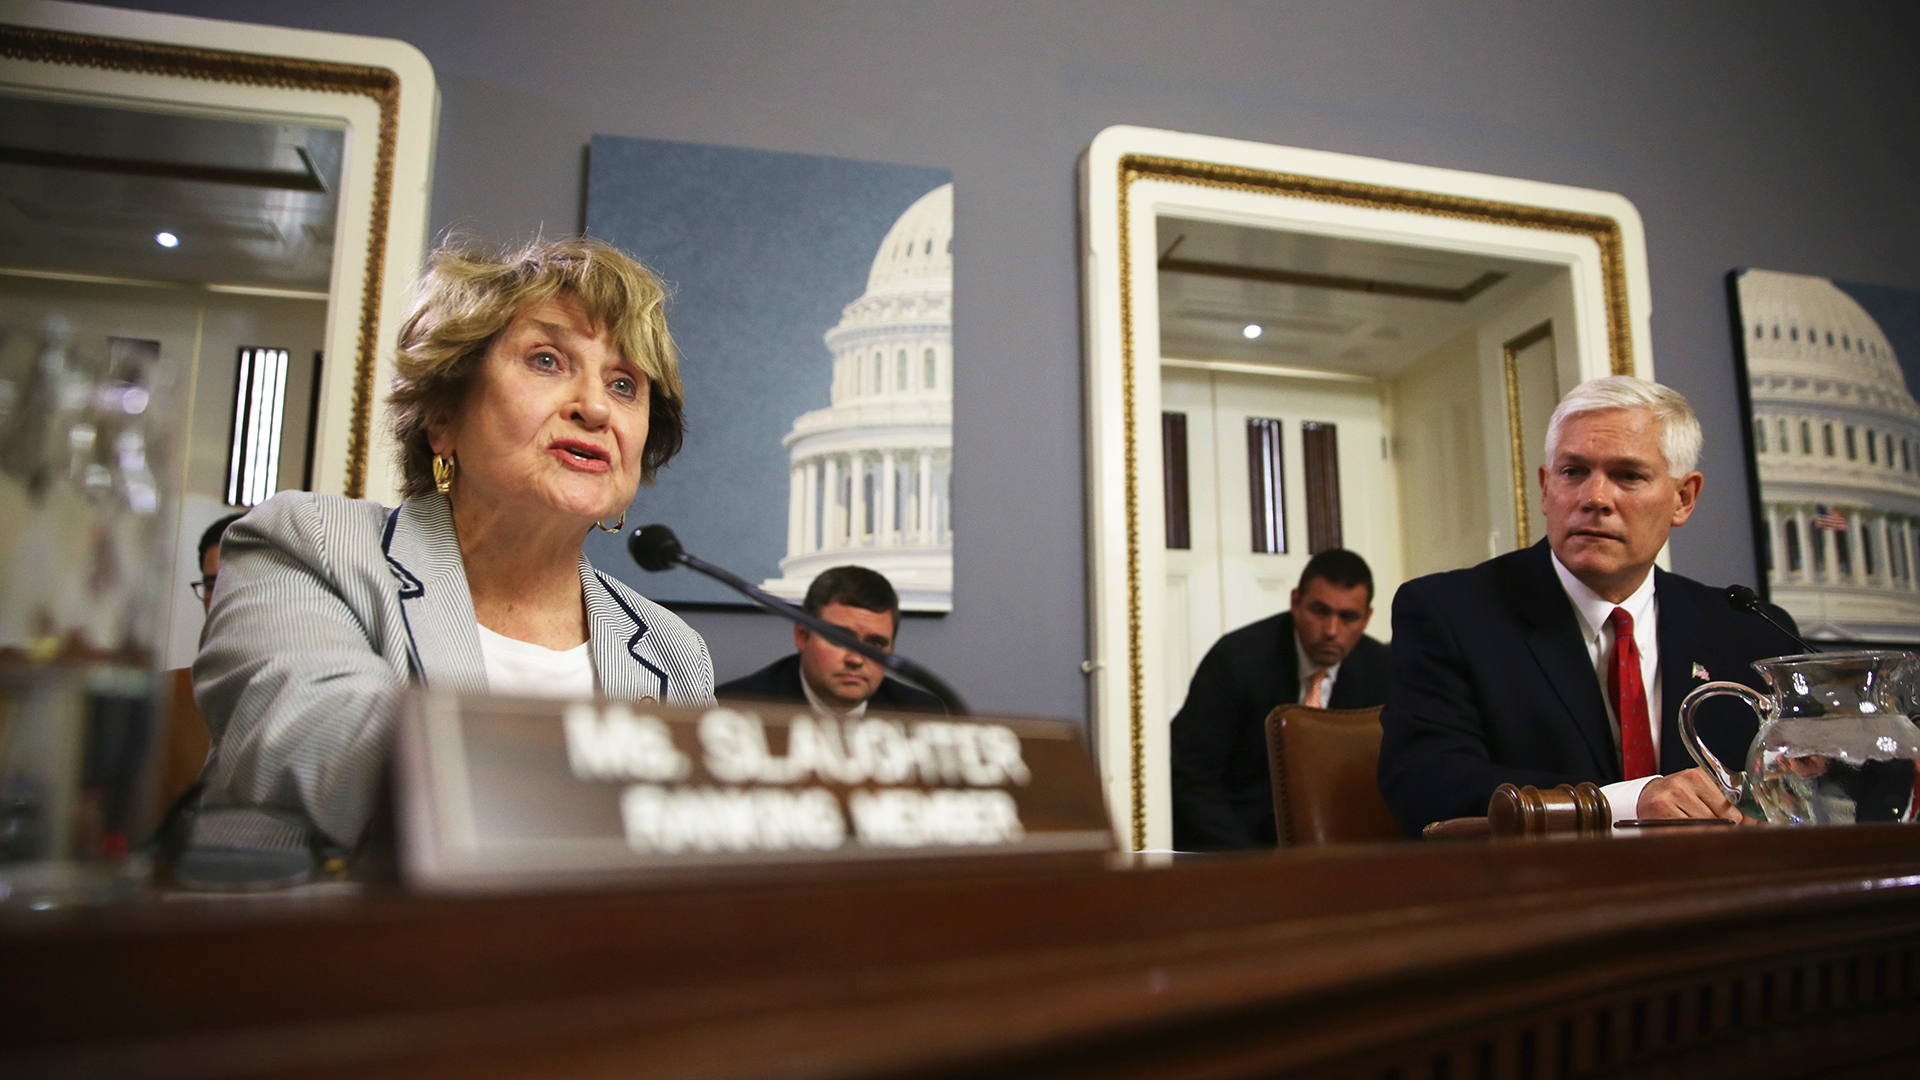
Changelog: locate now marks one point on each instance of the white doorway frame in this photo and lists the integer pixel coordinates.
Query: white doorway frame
(381, 92)
(1132, 176)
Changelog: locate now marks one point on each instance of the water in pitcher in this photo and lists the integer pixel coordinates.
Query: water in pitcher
(1836, 770)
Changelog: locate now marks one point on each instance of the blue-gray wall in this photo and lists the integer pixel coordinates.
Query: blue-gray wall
(1748, 134)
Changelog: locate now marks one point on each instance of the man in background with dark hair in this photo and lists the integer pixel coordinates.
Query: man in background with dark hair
(210, 559)
(1315, 653)
(836, 681)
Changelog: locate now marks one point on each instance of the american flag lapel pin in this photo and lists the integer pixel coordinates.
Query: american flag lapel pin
(1700, 672)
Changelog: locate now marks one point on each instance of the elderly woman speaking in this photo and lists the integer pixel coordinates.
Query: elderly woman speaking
(535, 391)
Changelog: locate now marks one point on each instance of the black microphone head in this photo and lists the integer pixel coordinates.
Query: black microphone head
(655, 548)
(1742, 598)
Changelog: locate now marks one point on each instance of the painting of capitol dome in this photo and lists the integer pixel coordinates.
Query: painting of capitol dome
(870, 472)
(1836, 442)
(811, 302)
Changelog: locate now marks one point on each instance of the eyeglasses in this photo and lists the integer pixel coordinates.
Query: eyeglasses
(204, 587)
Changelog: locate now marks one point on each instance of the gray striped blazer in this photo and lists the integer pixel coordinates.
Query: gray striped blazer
(326, 608)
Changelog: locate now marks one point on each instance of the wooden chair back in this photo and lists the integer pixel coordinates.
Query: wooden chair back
(186, 741)
(1324, 764)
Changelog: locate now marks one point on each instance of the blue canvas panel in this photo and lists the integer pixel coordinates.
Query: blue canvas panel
(762, 251)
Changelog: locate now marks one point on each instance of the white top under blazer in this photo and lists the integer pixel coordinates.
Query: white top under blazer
(326, 608)
(523, 669)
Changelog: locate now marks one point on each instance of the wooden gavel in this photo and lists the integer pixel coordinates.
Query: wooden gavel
(1568, 810)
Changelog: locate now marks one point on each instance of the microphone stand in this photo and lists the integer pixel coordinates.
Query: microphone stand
(665, 546)
(1743, 598)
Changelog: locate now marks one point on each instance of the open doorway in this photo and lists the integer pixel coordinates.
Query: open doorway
(210, 239)
(1336, 392)
(242, 206)
(1289, 350)
(206, 229)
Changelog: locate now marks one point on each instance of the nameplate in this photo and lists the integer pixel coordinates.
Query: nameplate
(514, 792)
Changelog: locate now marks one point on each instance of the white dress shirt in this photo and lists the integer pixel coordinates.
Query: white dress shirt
(1596, 631)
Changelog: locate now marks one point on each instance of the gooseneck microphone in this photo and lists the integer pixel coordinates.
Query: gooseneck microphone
(655, 548)
(1745, 599)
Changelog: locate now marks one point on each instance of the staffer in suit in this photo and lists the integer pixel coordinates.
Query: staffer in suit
(210, 560)
(1567, 661)
(1316, 653)
(832, 680)
(536, 389)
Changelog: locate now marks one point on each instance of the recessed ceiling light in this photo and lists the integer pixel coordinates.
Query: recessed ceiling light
(1252, 330)
(166, 240)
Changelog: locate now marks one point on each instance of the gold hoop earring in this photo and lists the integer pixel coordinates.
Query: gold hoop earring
(616, 525)
(442, 473)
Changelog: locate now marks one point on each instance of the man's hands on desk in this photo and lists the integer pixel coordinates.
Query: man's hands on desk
(1689, 794)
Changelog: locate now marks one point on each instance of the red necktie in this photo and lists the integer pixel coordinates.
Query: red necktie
(1629, 696)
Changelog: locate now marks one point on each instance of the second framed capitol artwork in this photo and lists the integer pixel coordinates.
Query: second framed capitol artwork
(812, 303)
(1834, 431)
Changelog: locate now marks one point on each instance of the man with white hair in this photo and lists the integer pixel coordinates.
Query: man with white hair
(1567, 661)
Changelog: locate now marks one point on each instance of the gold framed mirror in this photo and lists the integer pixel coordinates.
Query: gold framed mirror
(1359, 314)
(295, 169)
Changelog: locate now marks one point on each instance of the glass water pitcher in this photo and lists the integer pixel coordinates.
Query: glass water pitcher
(1835, 744)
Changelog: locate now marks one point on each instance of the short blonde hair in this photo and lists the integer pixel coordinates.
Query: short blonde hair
(470, 294)
(1680, 438)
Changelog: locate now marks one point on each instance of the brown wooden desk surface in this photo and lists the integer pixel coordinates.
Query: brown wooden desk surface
(1754, 952)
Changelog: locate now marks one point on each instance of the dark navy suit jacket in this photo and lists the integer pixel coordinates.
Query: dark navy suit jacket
(1491, 683)
(780, 681)
(1222, 785)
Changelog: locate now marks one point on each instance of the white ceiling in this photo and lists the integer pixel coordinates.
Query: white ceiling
(85, 189)
(1341, 306)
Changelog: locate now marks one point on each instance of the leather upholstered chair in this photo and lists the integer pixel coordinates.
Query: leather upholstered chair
(186, 742)
(1324, 764)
